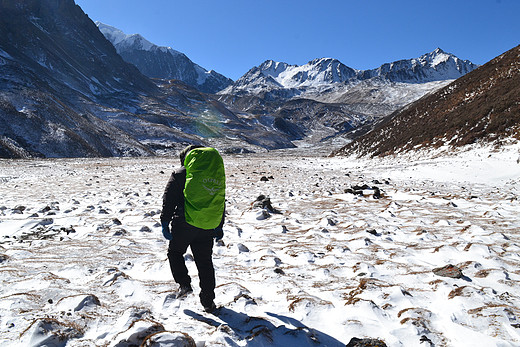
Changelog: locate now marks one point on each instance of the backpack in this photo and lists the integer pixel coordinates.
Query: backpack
(205, 188)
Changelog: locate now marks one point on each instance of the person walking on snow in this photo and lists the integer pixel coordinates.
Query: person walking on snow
(193, 205)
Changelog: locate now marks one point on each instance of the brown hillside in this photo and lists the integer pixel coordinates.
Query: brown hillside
(483, 105)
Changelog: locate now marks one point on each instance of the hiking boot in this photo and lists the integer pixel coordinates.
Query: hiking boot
(184, 291)
(210, 308)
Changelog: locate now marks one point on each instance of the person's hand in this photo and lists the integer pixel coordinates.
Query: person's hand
(166, 230)
(218, 233)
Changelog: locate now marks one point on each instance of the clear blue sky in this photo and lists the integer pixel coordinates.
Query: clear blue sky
(232, 36)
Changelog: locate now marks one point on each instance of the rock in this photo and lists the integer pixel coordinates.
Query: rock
(116, 221)
(169, 338)
(264, 202)
(357, 342)
(263, 214)
(46, 221)
(145, 229)
(264, 179)
(242, 248)
(120, 232)
(50, 332)
(19, 208)
(279, 271)
(373, 232)
(448, 271)
(88, 301)
(45, 209)
(139, 331)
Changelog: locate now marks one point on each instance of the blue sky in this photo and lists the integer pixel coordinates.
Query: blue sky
(232, 36)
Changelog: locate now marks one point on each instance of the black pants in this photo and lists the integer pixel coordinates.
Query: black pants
(201, 244)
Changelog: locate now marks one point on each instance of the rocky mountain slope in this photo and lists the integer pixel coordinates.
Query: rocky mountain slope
(482, 106)
(163, 62)
(66, 92)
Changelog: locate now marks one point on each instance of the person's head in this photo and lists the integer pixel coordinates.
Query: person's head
(185, 151)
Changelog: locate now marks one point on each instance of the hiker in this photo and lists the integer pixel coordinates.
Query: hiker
(193, 205)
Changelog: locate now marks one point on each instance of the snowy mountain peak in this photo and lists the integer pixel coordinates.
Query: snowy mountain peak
(273, 68)
(162, 62)
(321, 73)
(122, 41)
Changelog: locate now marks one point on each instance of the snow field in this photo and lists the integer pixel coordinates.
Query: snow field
(83, 261)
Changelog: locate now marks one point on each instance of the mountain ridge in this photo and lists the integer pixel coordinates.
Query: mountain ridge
(162, 62)
(430, 67)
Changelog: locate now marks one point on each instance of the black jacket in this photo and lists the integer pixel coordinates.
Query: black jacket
(173, 200)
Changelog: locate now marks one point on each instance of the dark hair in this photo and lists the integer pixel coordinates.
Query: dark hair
(185, 151)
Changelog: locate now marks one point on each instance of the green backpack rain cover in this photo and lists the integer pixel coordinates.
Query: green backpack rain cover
(205, 189)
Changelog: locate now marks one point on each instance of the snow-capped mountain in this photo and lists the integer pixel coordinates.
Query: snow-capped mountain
(326, 94)
(163, 62)
(325, 73)
(435, 66)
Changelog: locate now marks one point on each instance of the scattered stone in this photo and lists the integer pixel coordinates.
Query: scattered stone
(88, 301)
(424, 338)
(264, 202)
(357, 342)
(361, 190)
(52, 332)
(46, 221)
(373, 232)
(263, 214)
(264, 179)
(279, 271)
(284, 229)
(242, 248)
(448, 271)
(168, 338)
(45, 209)
(19, 208)
(145, 229)
(120, 232)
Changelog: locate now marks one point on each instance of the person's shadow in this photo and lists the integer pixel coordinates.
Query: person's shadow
(256, 331)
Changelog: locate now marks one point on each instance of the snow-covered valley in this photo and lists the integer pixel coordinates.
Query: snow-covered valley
(351, 253)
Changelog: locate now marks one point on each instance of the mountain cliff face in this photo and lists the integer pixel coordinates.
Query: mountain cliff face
(481, 106)
(51, 57)
(163, 62)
